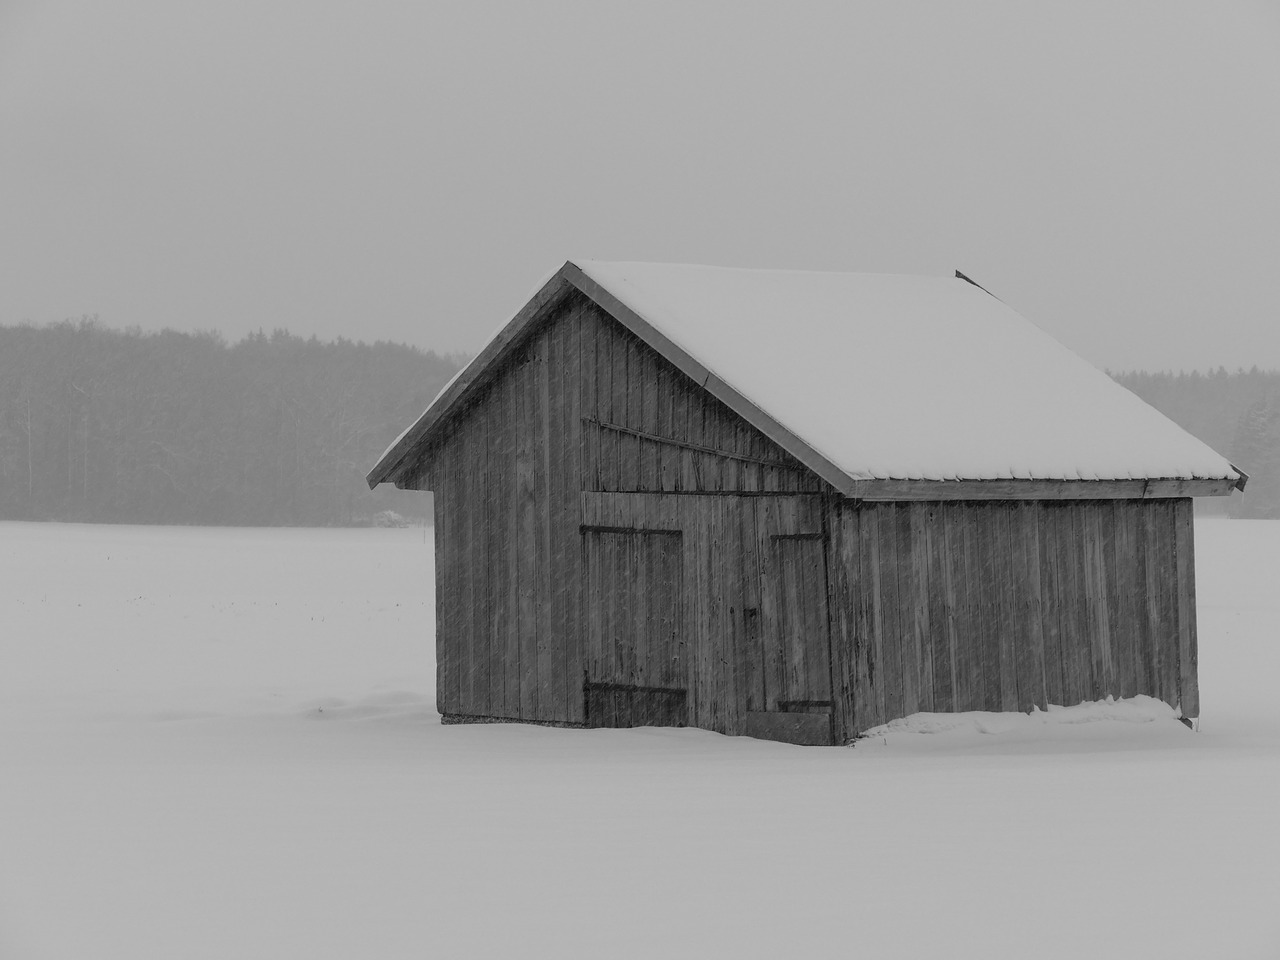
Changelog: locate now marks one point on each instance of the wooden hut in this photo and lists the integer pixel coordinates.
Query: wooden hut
(795, 506)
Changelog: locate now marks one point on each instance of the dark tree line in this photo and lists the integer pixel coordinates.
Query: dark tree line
(1238, 414)
(121, 426)
(131, 427)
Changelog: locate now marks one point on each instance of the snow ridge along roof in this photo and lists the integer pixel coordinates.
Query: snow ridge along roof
(883, 376)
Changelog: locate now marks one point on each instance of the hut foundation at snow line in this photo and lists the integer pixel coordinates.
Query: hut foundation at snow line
(625, 537)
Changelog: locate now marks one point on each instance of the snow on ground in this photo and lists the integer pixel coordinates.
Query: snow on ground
(221, 743)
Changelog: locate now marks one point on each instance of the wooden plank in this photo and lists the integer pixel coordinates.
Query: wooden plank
(627, 386)
(955, 592)
(1084, 614)
(669, 604)
(690, 460)
(607, 664)
(477, 572)
(1051, 599)
(755, 696)
(771, 618)
(546, 493)
(678, 463)
(1105, 518)
(910, 595)
(458, 574)
(628, 632)
(926, 602)
(650, 374)
(1116, 540)
(818, 634)
(986, 589)
(708, 620)
(946, 538)
(489, 539)
(528, 466)
(664, 399)
(593, 606)
(1168, 603)
(971, 659)
(900, 490)
(1112, 538)
(589, 397)
(841, 613)
(498, 500)
(1094, 601)
(1147, 612)
(720, 561)
(1164, 626)
(1066, 604)
(865, 711)
(890, 622)
(790, 651)
(1008, 603)
(1030, 635)
(1156, 623)
(567, 546)
(1185, 584)
(1074, 638)
(1136, 599)
(614, 361)
(445, 701)
(871, 709)
(735, 646)
(645, 587)
(938, 650)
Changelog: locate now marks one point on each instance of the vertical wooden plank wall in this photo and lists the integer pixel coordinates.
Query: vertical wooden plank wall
(750, 613)
(1005, 605)
(648, 428)
(505, 475)
(583, 405)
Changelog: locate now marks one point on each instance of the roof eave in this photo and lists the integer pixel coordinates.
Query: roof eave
(1028, 489)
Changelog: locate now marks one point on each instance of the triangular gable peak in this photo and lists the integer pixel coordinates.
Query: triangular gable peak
(850, 423)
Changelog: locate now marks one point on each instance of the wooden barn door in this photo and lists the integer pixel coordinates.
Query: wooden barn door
(636, 664)
(789, 661)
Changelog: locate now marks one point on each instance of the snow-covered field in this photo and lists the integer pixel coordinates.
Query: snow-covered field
(221, 744)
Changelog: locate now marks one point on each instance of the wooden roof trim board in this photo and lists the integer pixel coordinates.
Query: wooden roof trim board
(570, 277)
(873, 490)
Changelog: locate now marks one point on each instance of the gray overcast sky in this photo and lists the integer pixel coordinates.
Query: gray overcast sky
(410, 171)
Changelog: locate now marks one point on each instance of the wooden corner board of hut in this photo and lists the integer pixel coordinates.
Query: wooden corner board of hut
(796, 506)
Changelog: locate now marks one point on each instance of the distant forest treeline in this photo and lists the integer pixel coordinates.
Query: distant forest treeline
(130, 427)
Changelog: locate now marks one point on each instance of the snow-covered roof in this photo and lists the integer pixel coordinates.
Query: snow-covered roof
(875, 377)
(908, 377)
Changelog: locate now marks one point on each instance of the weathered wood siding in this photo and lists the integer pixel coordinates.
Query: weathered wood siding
(582, 405)
(1008, 605)
(648, 427)
(505, 477)
(750, 627)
